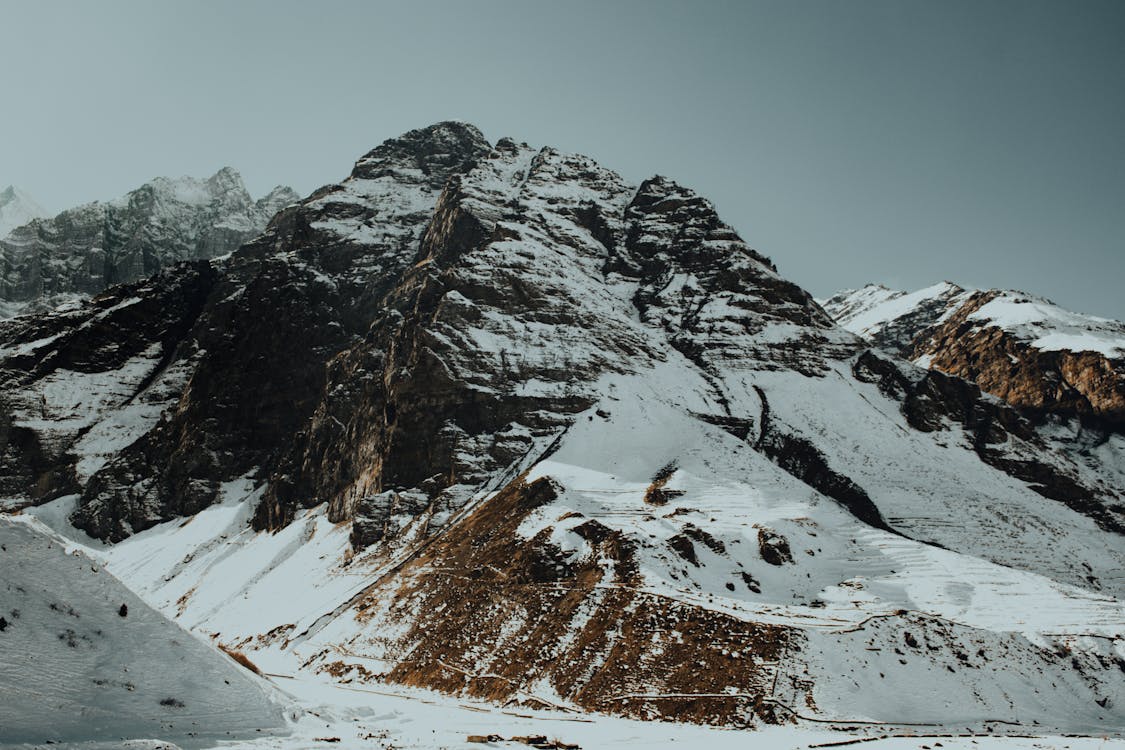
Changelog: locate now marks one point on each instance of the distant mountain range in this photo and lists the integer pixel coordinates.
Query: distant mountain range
(86, 249)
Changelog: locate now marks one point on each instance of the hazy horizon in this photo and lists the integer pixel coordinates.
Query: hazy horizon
(894, 142)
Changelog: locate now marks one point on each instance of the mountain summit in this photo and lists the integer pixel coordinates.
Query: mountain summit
(489, 419)
(16, 209)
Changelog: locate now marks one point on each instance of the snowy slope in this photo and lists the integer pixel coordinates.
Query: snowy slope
(490, 420)
(1048, 327)
(84, 659)
(897, 319)
(890, 318)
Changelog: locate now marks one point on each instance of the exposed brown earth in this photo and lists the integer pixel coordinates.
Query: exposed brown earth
(492, 613)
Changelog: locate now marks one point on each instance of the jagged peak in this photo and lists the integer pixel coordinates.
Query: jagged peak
(279, 197)
(13, 193)
(437, 150)
(226, 179)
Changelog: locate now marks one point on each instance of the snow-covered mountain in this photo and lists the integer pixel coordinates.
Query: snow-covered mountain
(86, 249)
(16, 209)
(890, 318)
(488, 419)
(1022, 348)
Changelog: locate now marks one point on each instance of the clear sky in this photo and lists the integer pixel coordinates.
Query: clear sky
(981, 141)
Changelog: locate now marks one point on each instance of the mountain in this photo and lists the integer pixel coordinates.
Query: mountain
(16, 209)
(1023, 349)
(86, 249)
(488, 419)
(892, 319)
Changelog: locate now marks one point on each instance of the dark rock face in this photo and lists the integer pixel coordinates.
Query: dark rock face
(87, 249)
(278, 325)
(672, 232)
(774, 548)
(61, 369)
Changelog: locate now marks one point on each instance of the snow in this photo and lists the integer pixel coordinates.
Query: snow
(873, 308)
(362, 716)
(976, 562)
(68, 400)
(82, 658)
(1044, 325)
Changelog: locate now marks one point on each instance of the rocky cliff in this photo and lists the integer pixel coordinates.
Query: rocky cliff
(489, 419)
(87, 249)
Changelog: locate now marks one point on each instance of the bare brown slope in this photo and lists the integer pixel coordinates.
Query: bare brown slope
(491, 613)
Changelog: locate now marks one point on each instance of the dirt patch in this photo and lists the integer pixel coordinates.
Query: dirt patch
(656, 494)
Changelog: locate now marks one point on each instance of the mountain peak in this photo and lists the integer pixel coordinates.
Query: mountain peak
(16, 209)
(166, 220)
(437, 151)
(1017, 346)
(226, 179)
(521, 428)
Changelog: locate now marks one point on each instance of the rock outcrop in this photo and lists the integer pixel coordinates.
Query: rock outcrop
(1025, 350)
(1036, 364)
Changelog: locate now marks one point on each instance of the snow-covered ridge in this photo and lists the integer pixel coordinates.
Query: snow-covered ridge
(1048, 327)
(892, 318)
(895, 318)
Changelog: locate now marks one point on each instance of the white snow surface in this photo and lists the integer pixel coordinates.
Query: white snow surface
(83, 659)
(871, 309)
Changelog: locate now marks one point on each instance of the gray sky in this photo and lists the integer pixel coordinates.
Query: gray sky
(902, 142)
